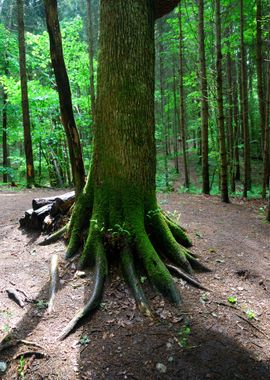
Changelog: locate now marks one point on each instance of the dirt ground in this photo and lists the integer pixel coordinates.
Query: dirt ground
(207, 338)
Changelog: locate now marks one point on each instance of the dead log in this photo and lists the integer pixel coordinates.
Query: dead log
(47, 212)
(40, 202)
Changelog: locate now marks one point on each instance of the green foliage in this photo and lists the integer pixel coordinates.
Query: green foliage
(250, 314)
(84, 340)
(232, 300)
(21, 368)
(183, 335)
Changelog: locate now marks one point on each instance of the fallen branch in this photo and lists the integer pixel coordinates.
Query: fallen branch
(27, 354)
(251, 324)
(54, 274)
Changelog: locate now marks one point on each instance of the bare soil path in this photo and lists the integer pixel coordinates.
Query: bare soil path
(208, 338)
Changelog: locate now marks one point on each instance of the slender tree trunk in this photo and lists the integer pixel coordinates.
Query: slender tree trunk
(244, 107)
(30, 174)
(259, 66)
(204, 100)
(162, 105)
(236, 122)
(175, 127)
(64, 92)
(266, 129)
(221, 127)
(182, 99)
(230, 121)
(91, 56)
(4, 136)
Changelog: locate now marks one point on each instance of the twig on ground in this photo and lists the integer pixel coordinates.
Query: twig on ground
(54, 274)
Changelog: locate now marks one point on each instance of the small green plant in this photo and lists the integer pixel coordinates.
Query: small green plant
(183, 335)
(232, 300)
(250, 314)
(5, 328)
(41, 304)
(21, 368)
(84, 340)
(143, 279)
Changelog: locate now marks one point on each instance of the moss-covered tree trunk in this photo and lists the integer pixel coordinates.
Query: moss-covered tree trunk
(118, 208)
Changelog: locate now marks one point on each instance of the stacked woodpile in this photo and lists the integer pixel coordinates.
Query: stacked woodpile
(47, 214)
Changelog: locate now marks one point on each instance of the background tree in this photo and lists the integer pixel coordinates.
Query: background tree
(244, 105)
(204, 99)
(30, 174)
(67, 116)
(221, 127)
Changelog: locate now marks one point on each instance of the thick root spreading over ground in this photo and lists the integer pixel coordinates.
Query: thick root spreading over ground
(142, 239)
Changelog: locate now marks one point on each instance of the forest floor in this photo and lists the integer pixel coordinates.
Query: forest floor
(207, 338)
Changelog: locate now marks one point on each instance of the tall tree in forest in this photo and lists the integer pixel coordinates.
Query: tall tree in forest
(4, 137)
(30, 174)
(244, 105)
(259, 65)
(175, 125)
(182, 98)
(266, 128)
(266, 158)
(118, 207)
(230, 129)
(204, 99)
(64, 92)
(90, 40)
(221, 127)
(162, 103)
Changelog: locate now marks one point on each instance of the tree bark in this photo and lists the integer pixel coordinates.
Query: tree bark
(259, 66)
(244, 106)
(204, 99)
(162, 103)
(266, 129)
(222, 141)
(175, 127)
(64, 92)
(182, 99)
(231, 133)
(30, 174)
(4, 137)
(91, 57)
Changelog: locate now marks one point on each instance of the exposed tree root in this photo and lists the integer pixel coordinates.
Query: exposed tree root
(186, 277)
(146, 236)
(93, 303)
(133, 281)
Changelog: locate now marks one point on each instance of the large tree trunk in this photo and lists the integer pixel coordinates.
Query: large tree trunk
(118, 206)
(162, 104)
(91, 57)
(221, 128)
(204, 100)
(182, 99)
(30, 175)
(64, 92)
